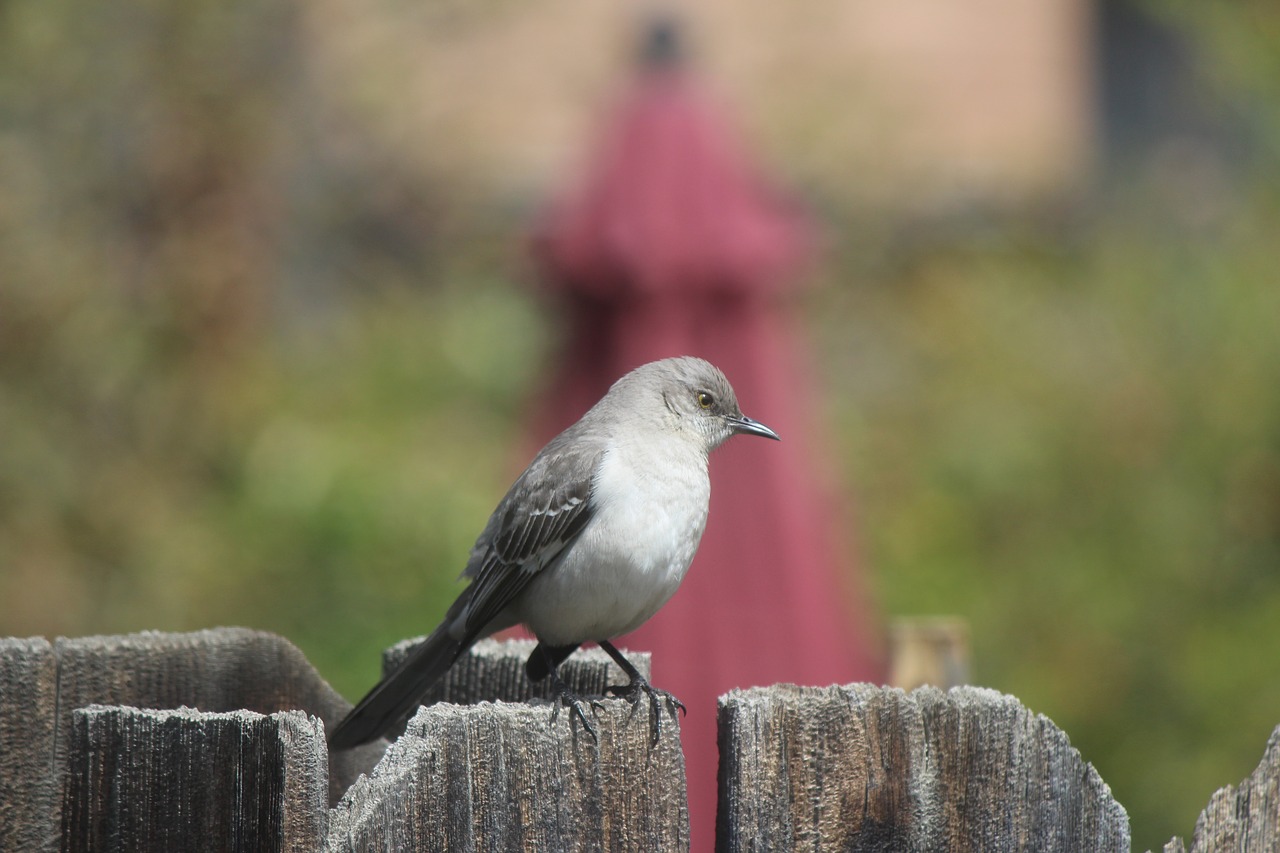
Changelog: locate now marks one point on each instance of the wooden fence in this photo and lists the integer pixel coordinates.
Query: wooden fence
(101, 748)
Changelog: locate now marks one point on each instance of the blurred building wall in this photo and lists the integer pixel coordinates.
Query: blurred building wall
(910, 105)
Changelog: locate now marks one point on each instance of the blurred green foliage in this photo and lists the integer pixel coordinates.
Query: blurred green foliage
(1078, 448)
(249, 377)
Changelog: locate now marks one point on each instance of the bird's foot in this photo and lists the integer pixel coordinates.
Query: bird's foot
(574, 703)
(640, 685)
(636, 691)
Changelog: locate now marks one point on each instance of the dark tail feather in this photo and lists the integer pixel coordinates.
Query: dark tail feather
(399, 693)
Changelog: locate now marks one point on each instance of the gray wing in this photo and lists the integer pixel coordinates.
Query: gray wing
(542, 514)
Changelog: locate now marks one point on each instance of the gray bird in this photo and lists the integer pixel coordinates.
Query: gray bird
(593, 538)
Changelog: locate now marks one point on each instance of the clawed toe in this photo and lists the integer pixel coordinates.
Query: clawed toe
(639, 689)
(638, 685)
(569, 699)
(576, 712)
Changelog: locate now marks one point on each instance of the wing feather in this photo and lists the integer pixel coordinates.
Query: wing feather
(542, 514)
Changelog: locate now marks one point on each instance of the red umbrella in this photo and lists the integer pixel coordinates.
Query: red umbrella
(673, 245)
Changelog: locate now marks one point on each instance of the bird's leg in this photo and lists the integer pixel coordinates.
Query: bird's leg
(639, 684)
(545, 658)
(564, 695)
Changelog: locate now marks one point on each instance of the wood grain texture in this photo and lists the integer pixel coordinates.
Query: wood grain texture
(504, 777)
(29, 791)
(844, 768)
(493, 671)
(1242, 818)
(225, 669)
(161, 781)
(218, 670)
(869, 768)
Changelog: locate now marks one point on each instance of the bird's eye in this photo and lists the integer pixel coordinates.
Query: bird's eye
(705, 400)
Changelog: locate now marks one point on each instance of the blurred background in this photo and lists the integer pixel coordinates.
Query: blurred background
(269, 335)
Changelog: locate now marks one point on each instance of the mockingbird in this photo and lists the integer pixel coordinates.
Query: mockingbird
(592, 539)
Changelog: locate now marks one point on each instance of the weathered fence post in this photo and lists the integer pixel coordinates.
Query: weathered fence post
(850, 768)
(224, 669)
(498, 775)
(493, 671)
(868, 768)
(1243, 819)
(227, 669)
(139, 779)
(161, 781)
(503, 777)
(29, 787)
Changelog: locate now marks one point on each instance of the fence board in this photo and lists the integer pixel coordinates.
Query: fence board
(493, 671)
(867, 768)
(503, 777)
(28, 790)
(160, 781)
(224, 669)
(1243, 819)
(850, 768)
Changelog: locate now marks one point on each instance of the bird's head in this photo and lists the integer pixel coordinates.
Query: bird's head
(700, 399)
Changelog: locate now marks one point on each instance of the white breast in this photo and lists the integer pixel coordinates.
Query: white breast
(632, 555)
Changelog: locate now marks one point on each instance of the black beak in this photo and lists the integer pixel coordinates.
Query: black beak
(746, 426)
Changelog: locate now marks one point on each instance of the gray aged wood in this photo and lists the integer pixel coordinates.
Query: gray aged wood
(1243, 819)
(227, 669)
(493, 671)
(28, 789)
(855, 768)
(867, 768)
(162, 781)
(503, 777)
(224, 669)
